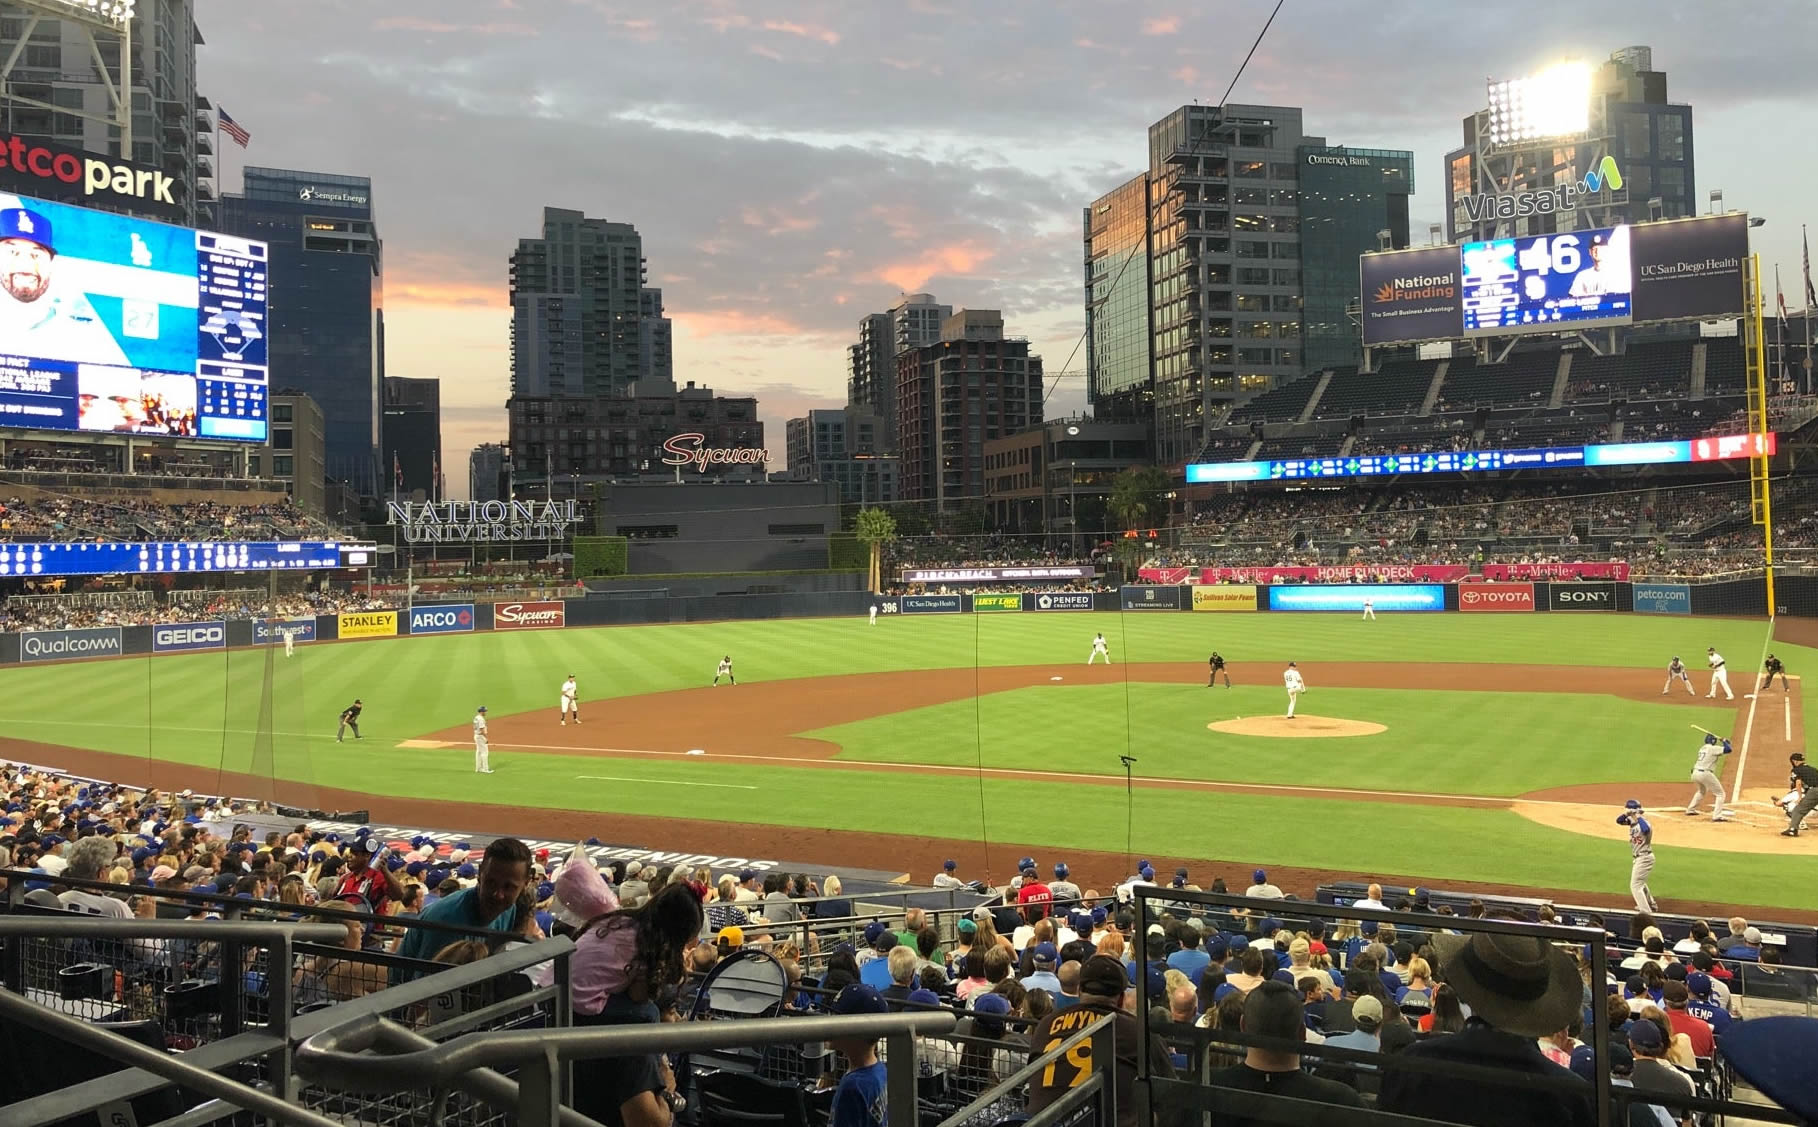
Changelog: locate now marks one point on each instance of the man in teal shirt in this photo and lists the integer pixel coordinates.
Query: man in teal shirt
(492, 903)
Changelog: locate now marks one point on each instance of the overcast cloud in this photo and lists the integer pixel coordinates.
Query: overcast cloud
(794, 164)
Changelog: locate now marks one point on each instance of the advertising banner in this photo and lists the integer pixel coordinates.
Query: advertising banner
(1165, 574)
(53, 172)
(1662, 598)
(1366, 573)
(930, 604)
(1350, 597)
(174, 637)
(368, 624)
(450, 618)
(1152, 598)
(532, 616)
(1689, 268)
(67, 645)
(1234, 597)
(1531, 571)
(995, 574)
(1494, 598)
(1582, 596)
(982, 604)
(272, 633)
(1410, 295)
(1060, 600)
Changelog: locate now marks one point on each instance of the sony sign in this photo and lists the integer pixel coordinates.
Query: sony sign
(692, 450)
(463, 521)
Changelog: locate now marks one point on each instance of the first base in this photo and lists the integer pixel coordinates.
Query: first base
(696, 751)
(1054, 678)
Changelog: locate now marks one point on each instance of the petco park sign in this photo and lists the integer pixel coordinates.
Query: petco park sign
(692, 450)
(458, 521)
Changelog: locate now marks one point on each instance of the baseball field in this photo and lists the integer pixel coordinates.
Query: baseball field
(1466, 750)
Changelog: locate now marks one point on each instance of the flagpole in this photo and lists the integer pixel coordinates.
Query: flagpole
(1810, 300)
(1780, 333)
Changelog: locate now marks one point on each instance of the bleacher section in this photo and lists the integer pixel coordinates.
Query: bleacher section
(1279, 404)
(1302, 446)
(1396, 389)
(1546, 428)
(1411, 435)
(1525, 379)
(1678, 418)
(1724, 372)
(1661, 370)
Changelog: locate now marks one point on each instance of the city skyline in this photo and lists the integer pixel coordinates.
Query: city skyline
(796, 169)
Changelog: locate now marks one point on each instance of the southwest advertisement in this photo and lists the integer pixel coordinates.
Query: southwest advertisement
(272, 633)
(535, 616)
(368, 624)
(1234, 597)
(447, 619)
(176, 637)
(1410, 295)
(1662, 598)
(1495, 598)
(982, 604)
(68, 645)
(1581, 596)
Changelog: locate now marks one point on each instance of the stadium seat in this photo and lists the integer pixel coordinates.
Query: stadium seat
(742, 1099)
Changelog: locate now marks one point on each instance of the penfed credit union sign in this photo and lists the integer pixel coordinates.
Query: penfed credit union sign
(446, 522)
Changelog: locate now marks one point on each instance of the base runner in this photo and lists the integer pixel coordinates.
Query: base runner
(1677, 671)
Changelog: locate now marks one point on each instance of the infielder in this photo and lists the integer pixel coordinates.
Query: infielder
(1705, 776)
(570, 703)
(725, 671)
(1770, 669)
(480, 762)
(1804, 779)
(1292, 679)
(1676, 670)
(1099, 649)
(1369, 609)
(1217, 664)
(1641, 848)
(1719, 676)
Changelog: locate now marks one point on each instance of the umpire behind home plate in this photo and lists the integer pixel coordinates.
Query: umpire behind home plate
(1806, 779)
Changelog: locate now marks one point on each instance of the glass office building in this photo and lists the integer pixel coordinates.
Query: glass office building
(327, 320)
(1352, 202)
(1119, 378)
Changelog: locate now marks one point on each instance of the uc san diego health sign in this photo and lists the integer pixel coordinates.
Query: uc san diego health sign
(465, 521)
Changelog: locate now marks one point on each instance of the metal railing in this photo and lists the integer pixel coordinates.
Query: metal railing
(1094, 1090)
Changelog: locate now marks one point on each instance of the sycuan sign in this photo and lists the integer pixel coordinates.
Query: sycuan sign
(462, 521)
(692, 450)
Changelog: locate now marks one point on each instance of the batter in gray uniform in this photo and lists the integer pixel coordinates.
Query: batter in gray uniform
(1704, 774)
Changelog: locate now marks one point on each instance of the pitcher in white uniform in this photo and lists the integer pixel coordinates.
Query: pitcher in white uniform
(570, 703)
(1704, 774)
(480, 762)
(1295, 685)
(1719, 675)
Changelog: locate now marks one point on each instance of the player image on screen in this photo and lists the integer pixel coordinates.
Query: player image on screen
(46, 315)
(1572, 279)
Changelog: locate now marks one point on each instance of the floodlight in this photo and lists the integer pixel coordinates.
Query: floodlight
(1552, 103)
(111, 15)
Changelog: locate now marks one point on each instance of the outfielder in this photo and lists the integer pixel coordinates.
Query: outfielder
(1099, 650)
(874, 612)
(481, 763)
(570, 702)
(1770, 669)
(1217, 664)
(725, 671)
(1369, 609)
(1292, 679)
(1719, 676)
(1677, 670)
(1641, 848)
(290, 641)
(1804, 779)
(1705, 776)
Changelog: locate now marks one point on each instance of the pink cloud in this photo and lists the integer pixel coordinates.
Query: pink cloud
(1186, 75)
(439, 27)
(773, 221)
(733, 322)
(805, 31)
(404, 289)
(910, 275)
(1161, 25)
(764, 52)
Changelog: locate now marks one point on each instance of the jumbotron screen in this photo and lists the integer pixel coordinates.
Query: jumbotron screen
(114, 324)
(1577, 279)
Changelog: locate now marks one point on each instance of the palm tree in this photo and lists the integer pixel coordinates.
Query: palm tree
(875, 527)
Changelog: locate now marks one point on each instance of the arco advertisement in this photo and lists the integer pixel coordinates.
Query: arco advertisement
(1225, 597)
(529, 616)
(1581, 596)
(448, 618)
(1495, 598)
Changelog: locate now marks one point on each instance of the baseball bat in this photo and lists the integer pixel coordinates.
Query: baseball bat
(1707, 731)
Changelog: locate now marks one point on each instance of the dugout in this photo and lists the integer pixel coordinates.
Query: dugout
(717, 526)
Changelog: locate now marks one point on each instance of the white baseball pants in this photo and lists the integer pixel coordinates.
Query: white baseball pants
(480, 762)
(1707, 783)
(1638, 883)
(1721, 677)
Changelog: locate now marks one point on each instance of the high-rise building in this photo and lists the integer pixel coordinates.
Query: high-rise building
(843, 446)
(51, 77)
(327, 319)
(913, 322)
(1628, 121)
(1056, 478)
(972, 385)
(1195, 270)
(582, 320)
(1352, 201)
(487, 467)
(564, 442)
(296, 455)
(410, 445)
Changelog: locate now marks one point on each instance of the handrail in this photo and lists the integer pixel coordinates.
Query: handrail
(49, 926)
(429, 986)
(173, 1068)
(1102, 1033)
(338, 1057)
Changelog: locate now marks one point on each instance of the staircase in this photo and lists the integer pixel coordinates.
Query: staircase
(1561, 377)
(1325, 381)
(1698, 357)
(1439, 378)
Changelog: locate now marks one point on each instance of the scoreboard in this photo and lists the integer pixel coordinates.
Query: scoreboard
(173, 557)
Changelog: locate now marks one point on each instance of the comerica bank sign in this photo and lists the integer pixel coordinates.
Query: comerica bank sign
(471, 521)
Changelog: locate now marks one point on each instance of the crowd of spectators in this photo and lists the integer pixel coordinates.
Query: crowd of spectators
(40, 612)
(67, 518)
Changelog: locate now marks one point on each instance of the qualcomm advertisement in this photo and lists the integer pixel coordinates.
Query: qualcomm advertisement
(178, 636)
(272, 633)
(67, 645)
(1351, 596)
(1662, 598)
(930, 604)
(447, 619)
(127, 326)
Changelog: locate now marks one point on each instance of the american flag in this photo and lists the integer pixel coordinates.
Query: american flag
(235, 131)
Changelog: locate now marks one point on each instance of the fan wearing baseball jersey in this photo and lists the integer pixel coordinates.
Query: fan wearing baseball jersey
(1704, 775)
(1641, 849)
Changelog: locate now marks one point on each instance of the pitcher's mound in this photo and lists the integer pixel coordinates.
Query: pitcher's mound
(1301, 726)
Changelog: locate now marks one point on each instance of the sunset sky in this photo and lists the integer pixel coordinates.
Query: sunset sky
(795, 164)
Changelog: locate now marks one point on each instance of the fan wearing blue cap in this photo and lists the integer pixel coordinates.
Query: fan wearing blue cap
(859, 1100)
(947, 878)
(1064, 891)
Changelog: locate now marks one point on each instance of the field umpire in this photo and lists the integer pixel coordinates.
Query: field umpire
(1217, 664)
(1805, 780)
(1770, 669)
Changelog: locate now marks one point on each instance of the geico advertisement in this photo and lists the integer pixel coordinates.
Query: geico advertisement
(175, 637)
(446, 619)
(1218, 598)
(368, 624)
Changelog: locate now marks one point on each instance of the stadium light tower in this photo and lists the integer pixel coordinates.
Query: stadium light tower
(107, 17)
(1554, 103)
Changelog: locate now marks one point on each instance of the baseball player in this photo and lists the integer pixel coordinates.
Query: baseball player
(725, 671)
(1099, 649)
(350, 718)
(1705, 776)
(290, 641)
(874, 612)
(46, 315)
(1719, 676)
(1804, 780)
(1369, 609)
(1217, 664)
(570, 703)
(1770, 669)
(1676, 670)
(1641, 848)
(1295, 685)
(480, 762)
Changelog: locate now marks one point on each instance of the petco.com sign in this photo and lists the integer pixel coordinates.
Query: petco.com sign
(529, 616)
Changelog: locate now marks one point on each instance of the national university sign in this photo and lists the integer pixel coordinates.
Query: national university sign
(465, 521)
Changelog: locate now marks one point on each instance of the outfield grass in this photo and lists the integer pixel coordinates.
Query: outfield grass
(258, 711)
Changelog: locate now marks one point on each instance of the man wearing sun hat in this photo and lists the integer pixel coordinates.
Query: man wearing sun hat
(1519, 988)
